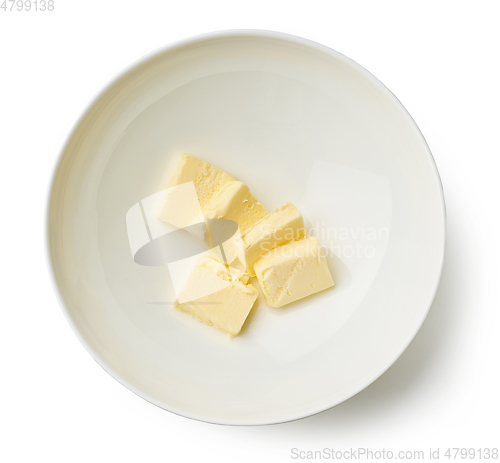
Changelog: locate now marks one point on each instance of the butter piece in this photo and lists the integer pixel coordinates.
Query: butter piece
(234, 201)
(217, 195)
(180, 206)
(220, 196)
(217, 295)
(208, 179)
(293, 271)
(283, 225)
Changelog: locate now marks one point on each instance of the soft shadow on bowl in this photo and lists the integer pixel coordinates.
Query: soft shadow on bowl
(419, 365)
(416, 373)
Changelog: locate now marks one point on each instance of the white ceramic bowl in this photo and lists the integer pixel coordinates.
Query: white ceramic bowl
(297, 122)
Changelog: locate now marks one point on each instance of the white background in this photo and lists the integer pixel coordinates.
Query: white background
(441, 59)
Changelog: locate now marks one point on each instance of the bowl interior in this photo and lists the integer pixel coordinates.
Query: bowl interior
(297, 122)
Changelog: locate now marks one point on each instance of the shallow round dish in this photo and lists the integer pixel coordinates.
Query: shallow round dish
(297, 122)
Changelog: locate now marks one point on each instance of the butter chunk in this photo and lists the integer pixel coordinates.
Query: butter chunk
(217, 295)
(234, 201)
(283, 225)
(218, 195)
(208, 179)
(293, 271)
(180, 206)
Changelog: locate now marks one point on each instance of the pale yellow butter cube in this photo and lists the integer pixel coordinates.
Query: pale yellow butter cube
(217, 295)
(220, 196)
(180, 206)
(293, 271)
(234, 201)
(283, 225)
(208, 179)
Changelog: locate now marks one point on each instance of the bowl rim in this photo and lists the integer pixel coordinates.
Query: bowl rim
(199, 38)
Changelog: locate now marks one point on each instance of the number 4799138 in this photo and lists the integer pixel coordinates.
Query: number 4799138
(27, 5)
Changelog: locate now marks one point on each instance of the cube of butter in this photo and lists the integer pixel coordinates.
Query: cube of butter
(235, 201)
(208, 179)
(283, 225)
(220, 196)
(293, 271)
(217, 295)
